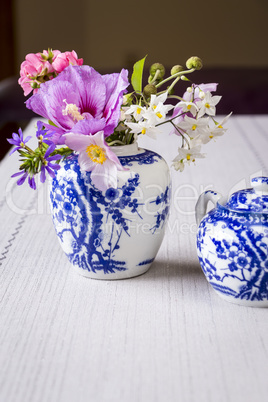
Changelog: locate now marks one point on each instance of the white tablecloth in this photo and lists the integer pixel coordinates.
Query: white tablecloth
(163, 336)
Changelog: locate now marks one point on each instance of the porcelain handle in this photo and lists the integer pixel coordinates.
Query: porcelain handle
(202, 202)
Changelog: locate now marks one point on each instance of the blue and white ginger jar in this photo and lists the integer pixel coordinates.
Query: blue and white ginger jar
(232, 243)
(114, 234)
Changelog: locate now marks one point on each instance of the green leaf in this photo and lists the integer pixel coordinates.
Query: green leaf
(51, 123)
(136, 78)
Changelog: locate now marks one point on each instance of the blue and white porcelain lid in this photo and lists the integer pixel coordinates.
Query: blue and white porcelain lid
(253, 199)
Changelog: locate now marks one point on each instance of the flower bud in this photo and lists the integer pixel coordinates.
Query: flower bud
(34, 85)
(194, 62)
(149, 90)
(155, 67)
(184, 78)
(176, 69)
(127, 99)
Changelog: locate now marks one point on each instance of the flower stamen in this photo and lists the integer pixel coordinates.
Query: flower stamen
(96, 153)
(72, 110)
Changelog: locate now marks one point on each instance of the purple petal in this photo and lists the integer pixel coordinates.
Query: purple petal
(40, 125)
(11, 141)
(88, 127)
(55, 134)
(48, 142)
(54, 158)
(54, 166)
(116, 85)
(14, 150)
(27, 139)
(50, 149)
(22, 179)
(50, 172)
(48, 101)
(18, 173)
(43, 174)
(20, 134)
(31, 182)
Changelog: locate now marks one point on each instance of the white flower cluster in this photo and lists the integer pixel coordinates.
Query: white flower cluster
(147, 119)
(191, 120)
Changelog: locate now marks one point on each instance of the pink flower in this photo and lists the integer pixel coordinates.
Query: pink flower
(41, 67)
(96, 157)
(32, 69)
(63, 60)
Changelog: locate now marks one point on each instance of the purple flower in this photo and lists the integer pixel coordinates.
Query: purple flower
(78, 95)
(47, 165)
(43, 135)
(23, 177)
(17, 139)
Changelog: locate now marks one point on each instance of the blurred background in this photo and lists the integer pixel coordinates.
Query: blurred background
(229, 36)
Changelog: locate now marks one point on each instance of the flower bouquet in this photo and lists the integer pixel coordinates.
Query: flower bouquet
(103, 185)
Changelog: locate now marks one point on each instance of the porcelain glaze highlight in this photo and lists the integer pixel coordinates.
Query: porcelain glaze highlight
(114, 234)
(232, 244)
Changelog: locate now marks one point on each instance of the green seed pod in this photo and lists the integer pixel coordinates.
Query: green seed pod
(149, 90)
(155, 67)
(176, 69)
(194, 62)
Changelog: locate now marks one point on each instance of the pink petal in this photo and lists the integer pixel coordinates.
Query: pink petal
(78, 142)
(104, 176)
(85, 162)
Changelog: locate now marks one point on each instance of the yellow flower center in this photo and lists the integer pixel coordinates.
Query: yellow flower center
(143, 131)
(188, 157)
(73, 111)
(22, 145)
(219, 126)
(154, 106)
(211, 136)
(207, 105)
(194, 127)
(189, 107)
(138, 110)
(96, 153)
(159, 115)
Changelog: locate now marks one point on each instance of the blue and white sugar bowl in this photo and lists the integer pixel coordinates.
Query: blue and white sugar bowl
(232, 243)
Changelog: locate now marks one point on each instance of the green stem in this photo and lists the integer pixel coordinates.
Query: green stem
(155, 76)
(116, 142)
(175, 97)
(183, 137)
(175, 76)
(28, 149)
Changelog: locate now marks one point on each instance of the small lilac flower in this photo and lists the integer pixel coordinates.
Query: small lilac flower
(42, 134)
(47, 165)
(18, 140)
